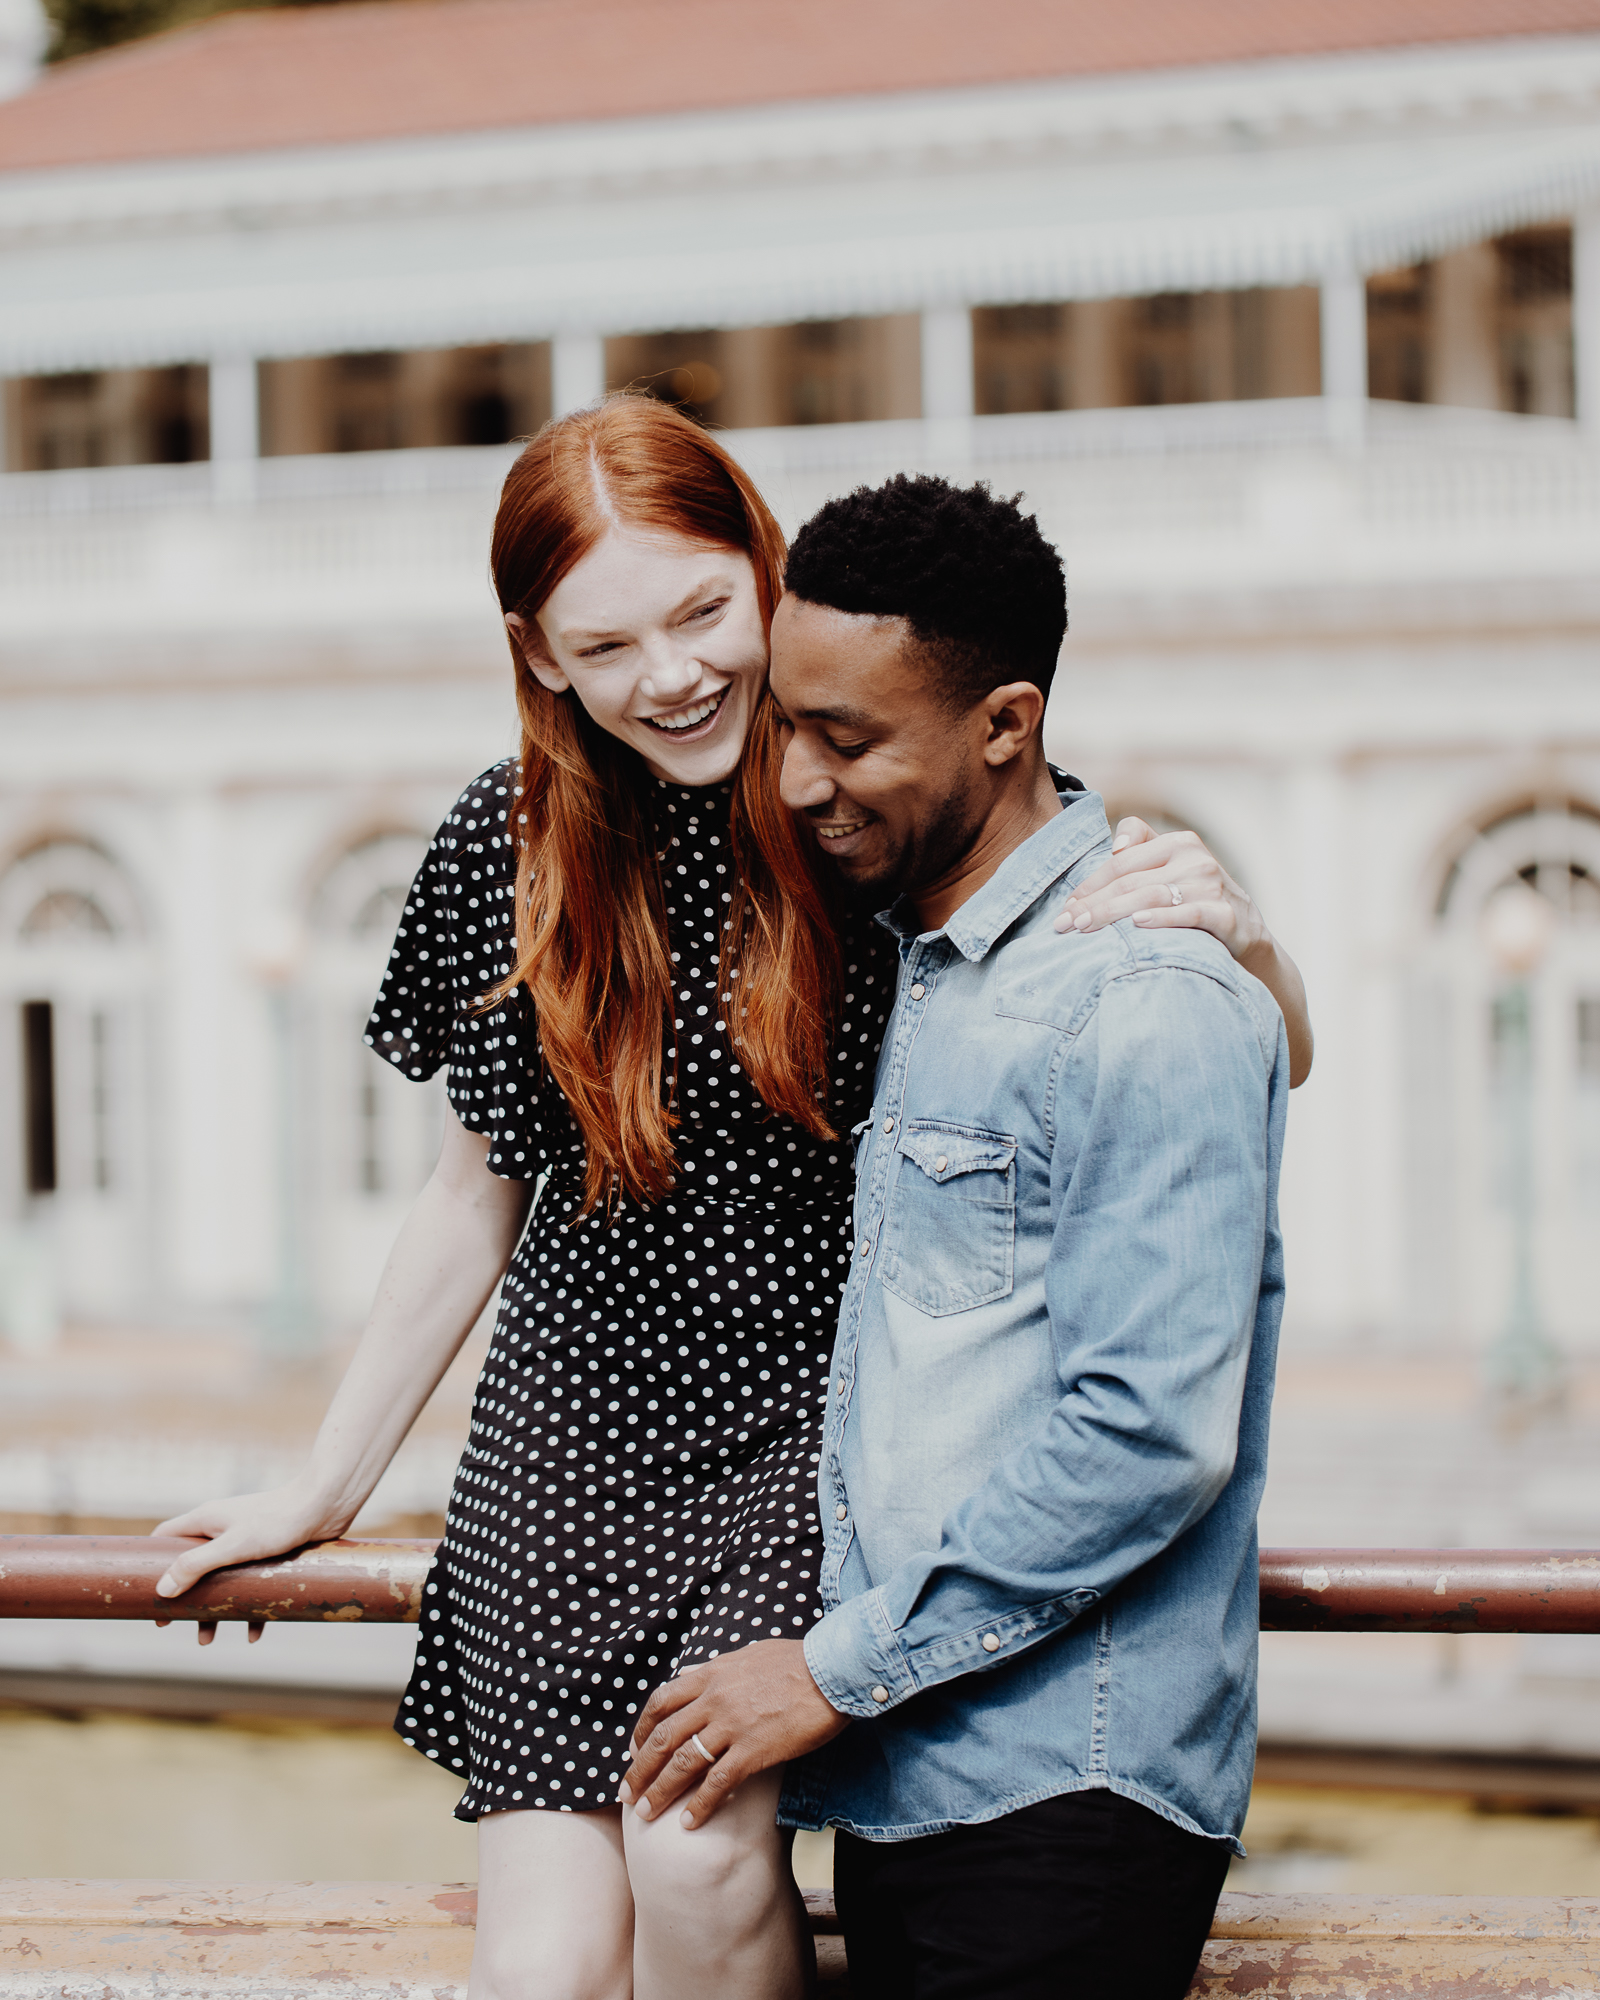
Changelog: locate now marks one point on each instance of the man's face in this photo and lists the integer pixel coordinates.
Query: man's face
(887, 778)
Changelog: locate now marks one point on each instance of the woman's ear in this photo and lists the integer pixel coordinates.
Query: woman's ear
(529, 642)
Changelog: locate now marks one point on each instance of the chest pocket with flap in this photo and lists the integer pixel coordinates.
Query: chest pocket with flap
(949, 1233)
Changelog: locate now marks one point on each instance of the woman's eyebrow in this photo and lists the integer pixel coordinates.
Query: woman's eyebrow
(581, 635)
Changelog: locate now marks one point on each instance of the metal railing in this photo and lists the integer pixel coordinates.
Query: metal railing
(380, 1580)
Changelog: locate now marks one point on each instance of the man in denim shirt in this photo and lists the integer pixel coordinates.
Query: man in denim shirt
(1047, 1424)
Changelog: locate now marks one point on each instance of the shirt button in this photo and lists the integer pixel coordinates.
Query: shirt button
(888, 1124)
(841, 1385)
(840, 1512)
(990, 1642)
(918, 990)
(880, 1694)
(863, 1247)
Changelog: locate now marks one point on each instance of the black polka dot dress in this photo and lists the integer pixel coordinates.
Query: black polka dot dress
(638, 1487)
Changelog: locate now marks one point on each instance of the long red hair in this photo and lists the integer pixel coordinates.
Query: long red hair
(591, 942)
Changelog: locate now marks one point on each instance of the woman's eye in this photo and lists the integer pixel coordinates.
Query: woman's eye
(707, 610)
(598, 652)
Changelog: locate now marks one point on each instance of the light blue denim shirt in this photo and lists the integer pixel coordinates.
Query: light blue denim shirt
(1047, 1426)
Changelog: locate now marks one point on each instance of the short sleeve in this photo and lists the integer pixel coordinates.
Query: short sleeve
(412, 1016)
(455, 943)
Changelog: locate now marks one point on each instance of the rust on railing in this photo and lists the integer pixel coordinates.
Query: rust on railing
(1430, 1590)
(115, 1576)
(1302, 1590)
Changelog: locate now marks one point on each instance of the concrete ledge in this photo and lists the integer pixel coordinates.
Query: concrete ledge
(65, 1940)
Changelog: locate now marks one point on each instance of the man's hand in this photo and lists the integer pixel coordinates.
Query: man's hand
(752, 1710)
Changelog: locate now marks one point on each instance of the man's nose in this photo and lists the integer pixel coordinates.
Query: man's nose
(802, 783)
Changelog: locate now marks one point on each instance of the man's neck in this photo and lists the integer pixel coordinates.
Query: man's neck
(1018, 811)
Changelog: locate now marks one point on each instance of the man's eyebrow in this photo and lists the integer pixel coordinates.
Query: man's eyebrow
(852, 718)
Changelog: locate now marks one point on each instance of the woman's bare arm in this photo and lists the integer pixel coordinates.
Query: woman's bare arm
(450, 1254)
(1137, 882)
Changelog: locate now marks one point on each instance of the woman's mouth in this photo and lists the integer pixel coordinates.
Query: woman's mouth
(685, 725)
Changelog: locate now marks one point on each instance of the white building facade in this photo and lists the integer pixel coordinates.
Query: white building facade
(1354, 639)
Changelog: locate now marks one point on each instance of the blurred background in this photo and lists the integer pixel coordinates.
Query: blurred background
(1286, 320)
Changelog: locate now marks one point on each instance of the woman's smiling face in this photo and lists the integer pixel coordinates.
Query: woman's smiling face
(662, 641)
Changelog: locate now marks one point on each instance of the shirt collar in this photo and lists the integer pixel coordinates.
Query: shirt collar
(1017, 884)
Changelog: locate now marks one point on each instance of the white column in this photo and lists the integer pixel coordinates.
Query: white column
(947, 362)
(1322, 1172)
(1344, 354)
(235, 425)
(1586, 318)
(204, 1203)
(577, 371)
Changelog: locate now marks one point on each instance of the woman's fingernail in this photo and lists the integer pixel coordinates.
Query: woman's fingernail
(1143, 916)
(1119, 843)
(1082, 921)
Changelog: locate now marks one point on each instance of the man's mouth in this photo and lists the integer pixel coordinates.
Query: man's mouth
(838, 829)
(685, 721)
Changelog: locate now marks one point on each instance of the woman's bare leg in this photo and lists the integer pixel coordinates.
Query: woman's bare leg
(555, 1917)
(716, 1912)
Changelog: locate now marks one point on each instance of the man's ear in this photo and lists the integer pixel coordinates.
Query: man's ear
(1015, 713)
(529, 642)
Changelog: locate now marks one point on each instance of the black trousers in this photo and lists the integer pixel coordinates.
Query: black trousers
(1071, 1899)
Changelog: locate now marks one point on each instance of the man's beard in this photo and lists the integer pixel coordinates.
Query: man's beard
(929, 852)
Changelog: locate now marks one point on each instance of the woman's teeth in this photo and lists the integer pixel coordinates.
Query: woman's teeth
(689, 718)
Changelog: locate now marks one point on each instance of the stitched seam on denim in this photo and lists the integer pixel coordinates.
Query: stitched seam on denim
(1102, 1696)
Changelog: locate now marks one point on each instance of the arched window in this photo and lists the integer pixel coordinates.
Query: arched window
(73, 1085)
(63, 891)
(377, 1132)
(391, 1128)
(1459, 1077)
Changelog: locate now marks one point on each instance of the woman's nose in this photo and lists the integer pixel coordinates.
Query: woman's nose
(670, 672)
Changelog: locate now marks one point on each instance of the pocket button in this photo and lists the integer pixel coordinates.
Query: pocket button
(940, 1164)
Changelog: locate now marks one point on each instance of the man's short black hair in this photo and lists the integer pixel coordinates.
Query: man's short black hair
(981, 589)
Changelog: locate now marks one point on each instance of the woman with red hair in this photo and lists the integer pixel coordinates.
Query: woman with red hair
(654, 1015)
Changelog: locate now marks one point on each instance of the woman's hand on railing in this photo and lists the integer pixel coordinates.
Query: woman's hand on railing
(1138, 882)
(246, 1527)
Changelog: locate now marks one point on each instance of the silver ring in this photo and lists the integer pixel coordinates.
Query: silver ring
(704, 1752)
(1177, 894)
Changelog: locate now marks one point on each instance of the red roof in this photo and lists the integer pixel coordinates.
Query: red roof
(385, 69)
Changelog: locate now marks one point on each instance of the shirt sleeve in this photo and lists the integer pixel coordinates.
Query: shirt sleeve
(1159, 1214)
(411, 1020)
